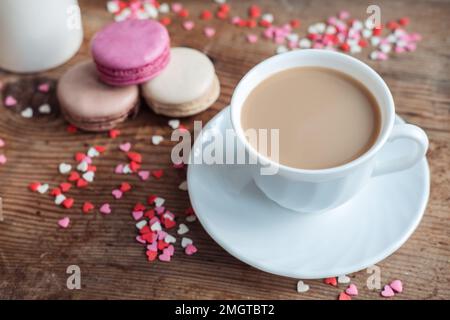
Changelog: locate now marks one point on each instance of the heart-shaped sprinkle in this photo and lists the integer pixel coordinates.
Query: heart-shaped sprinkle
(140, 240)
(302, 287)
(144, 175)
(43, 188)
(165, 257)
(82, 166)
(209, 32)
(190, 249)
(174, 123)
(64, 168)
(156, 226)
(162, 235)
(387, 292)
(188, 25)
(3, 159)
(117, 194)
(71, 128)
(55, 192)
(33, 186)
(182, 229)
(153, 246)
(137, 215)
(139, 207)
(10, 101)
(157, 139)
(81, 183)
(159, 201)
(134, 166)
(164, 8)
(185, 242)
(397, 286)
(65, 186)
(2, 143)
(89, 176)
(134, 156)
(68, 203)
(114, 133)
(105, 208)
(170, 250)
(343, 279)
(191, 218)
(252, 38)
(352, 290)
(331, 281)
(119, 169)
(169, 223)
(160, 210)
(27, 113)
(141, 224)
(151, 255)
(45, 108)
(125, 147)
(93, 152)
(73, 176)
(64, 222)
(79, 156)
(344, 296)
(44, 87)
(126, 169)
(170, 239)
(125, 187)
(59, 199)
(183, 186)
(177, 7)
(88, 206)
(157, 174)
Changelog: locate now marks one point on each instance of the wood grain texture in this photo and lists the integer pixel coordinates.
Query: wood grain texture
(34, 253)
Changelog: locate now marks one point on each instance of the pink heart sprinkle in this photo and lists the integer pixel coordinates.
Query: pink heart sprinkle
(3, 159)
(153, 246)
(177, 7)
(160, 210)
(105, 208)
(352, 290)
(119, 169)
(235, 20)
(88, 160)
(140, 240)
(117, 194)
(125, 147)
(169, 250)
(10, 101)
(397, 286)
(164, 257)
(188, 25)
(44, 87)
(2, 143)
(209, 32)
(387, 292)
(143, 174)
(64, 222)
(190, 250)
(252, 38)
(137, 215)
(161, 235)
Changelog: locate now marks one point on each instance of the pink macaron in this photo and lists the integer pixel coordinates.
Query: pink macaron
(131, 51)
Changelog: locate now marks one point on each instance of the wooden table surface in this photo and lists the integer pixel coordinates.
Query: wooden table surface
(34, 252)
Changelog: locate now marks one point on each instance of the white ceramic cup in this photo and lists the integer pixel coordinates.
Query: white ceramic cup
(38, 35)
(320, 190)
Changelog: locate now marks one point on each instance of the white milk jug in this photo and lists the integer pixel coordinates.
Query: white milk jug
(37, 35)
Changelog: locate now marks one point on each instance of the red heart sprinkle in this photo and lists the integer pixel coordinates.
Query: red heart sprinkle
(184, 13)
(65, 186)
(165, 21)
(71, 128)
(145, 230)
(79, 156)
(162, 244)
(34, 186)
(264, 23)
(151, 199)
(88, 206)
(100, 149)
(149, 213)
(125, 186)
(224, 7)
(206, 15)
(189, 211)
(254, 11)
(139, 207)
(149, 237)
(157, 173)
(114, 133)
(134, 156)
(68, 203)
(134, 166)
(331, 281)
(55, 192)
(221, 15)
(151, 255)
(73, 176)
(92, 168)
(81, 183)
(344, 296)
(295, 23)
(169, 223)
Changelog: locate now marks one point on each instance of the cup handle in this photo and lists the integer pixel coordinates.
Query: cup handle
(403, 131)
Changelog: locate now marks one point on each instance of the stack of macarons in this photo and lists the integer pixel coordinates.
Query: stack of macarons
(97, 95)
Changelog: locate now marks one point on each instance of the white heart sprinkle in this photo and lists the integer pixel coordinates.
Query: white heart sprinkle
(304, 43)
(174, 123)
(343, 279)
(27, 113)
(156, 226)
(182, 229)
(267, 17)
(112, 6)
(89, 176)
(292, 37)
(141, 224)
(82, 166)
(42, 188)
(92, 152)
(59, 199)
(191, 218)
(185, 242)
(183, 186)
(164, 8)
(170, 239)
(126, 169)
(157, 139)
(64, 168)
(45, 109)
(151, 11)
(159, 202)
(302, 287)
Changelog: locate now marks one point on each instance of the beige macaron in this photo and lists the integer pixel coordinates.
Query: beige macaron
(187, 86)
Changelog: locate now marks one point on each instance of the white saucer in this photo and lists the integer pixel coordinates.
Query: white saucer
(360, 233)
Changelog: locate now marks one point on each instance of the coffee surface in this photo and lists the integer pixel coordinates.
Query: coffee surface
(325, 118)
